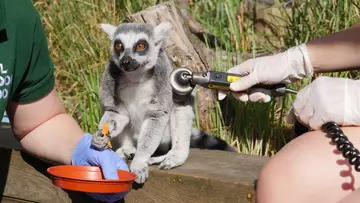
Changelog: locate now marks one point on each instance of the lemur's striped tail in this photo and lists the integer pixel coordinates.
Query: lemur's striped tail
(202, 140)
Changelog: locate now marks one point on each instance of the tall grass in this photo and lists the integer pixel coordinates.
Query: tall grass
(80, 50)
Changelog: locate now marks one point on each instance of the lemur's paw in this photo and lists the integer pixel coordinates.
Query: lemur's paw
(141, 169)
(173, 159)
(114, 123)
(113, 130)
(156, 160)
(127, 152)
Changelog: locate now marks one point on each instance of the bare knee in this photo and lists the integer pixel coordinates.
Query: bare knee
(305, 169)
(274, 181)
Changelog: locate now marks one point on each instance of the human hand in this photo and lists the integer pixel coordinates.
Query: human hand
(285, 67)
(327, 99)
(84, 154)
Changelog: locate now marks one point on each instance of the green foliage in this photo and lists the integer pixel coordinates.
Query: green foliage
(80, 50)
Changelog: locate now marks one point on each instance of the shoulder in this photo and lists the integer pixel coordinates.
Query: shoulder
(27, 40)
(20, 11)
(21, 15)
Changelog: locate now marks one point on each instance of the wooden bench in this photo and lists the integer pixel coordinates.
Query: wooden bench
(207, 176)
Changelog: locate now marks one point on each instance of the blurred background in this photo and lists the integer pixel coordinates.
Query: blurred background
(80, 50)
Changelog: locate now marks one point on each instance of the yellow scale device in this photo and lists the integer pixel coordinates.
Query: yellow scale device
(183, 82)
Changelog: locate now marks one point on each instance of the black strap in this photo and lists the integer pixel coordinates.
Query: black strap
(3, 36)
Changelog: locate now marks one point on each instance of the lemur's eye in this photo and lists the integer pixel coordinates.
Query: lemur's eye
(140, 47)
(117, 46)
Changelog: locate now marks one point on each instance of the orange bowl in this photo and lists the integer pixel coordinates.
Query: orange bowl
(90, 179)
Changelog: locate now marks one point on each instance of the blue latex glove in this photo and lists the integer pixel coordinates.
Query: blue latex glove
(85, 155)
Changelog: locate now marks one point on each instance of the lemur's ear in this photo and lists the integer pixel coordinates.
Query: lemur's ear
(108, 29)
(160, 32)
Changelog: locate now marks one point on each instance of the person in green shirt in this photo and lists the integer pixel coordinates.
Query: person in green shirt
(27, 94)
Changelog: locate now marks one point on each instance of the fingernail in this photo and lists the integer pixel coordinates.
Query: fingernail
(244, 98)
(221, 96)
(267, 99)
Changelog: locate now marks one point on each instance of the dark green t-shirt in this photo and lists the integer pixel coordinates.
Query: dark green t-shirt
(26, 69)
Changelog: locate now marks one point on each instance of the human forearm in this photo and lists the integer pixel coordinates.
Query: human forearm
(339, 51)
(54, 140)
(44, 129)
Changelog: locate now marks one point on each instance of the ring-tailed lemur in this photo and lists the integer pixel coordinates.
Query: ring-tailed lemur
(137, 101)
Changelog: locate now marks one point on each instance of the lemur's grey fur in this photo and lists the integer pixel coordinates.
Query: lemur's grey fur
(138, 105)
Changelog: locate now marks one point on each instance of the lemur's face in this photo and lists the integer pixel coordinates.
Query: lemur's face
(135, 47)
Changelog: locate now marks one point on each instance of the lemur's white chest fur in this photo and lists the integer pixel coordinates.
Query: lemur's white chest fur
(136, 98)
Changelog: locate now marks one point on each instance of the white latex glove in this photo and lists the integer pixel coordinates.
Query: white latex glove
(285, 67)
(327, 99)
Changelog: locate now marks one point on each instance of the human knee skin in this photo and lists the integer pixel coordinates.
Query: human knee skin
(309, 169)
(353, 197)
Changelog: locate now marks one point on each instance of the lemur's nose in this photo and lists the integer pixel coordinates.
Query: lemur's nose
(125, 61)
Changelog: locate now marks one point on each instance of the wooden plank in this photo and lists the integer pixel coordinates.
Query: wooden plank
(24, 182)
(14, 200)
(24, 177)
(207, 176)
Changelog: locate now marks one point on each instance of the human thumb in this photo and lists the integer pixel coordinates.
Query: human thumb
(108, 168)
(247, 78)
(244, 83)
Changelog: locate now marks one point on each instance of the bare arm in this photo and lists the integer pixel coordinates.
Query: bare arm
(45, 129)
(339, 51)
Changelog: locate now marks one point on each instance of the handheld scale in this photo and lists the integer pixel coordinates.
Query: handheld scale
(183, 82)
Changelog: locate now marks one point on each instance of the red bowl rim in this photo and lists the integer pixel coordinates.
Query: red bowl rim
(54, 171)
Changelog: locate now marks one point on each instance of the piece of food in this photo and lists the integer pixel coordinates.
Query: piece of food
(109, 144)
(105, 132)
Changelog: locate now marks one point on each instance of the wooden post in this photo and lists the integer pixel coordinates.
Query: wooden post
(267, 16)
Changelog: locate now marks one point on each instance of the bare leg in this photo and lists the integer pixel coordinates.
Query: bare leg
(309, 169)
(354, 197)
